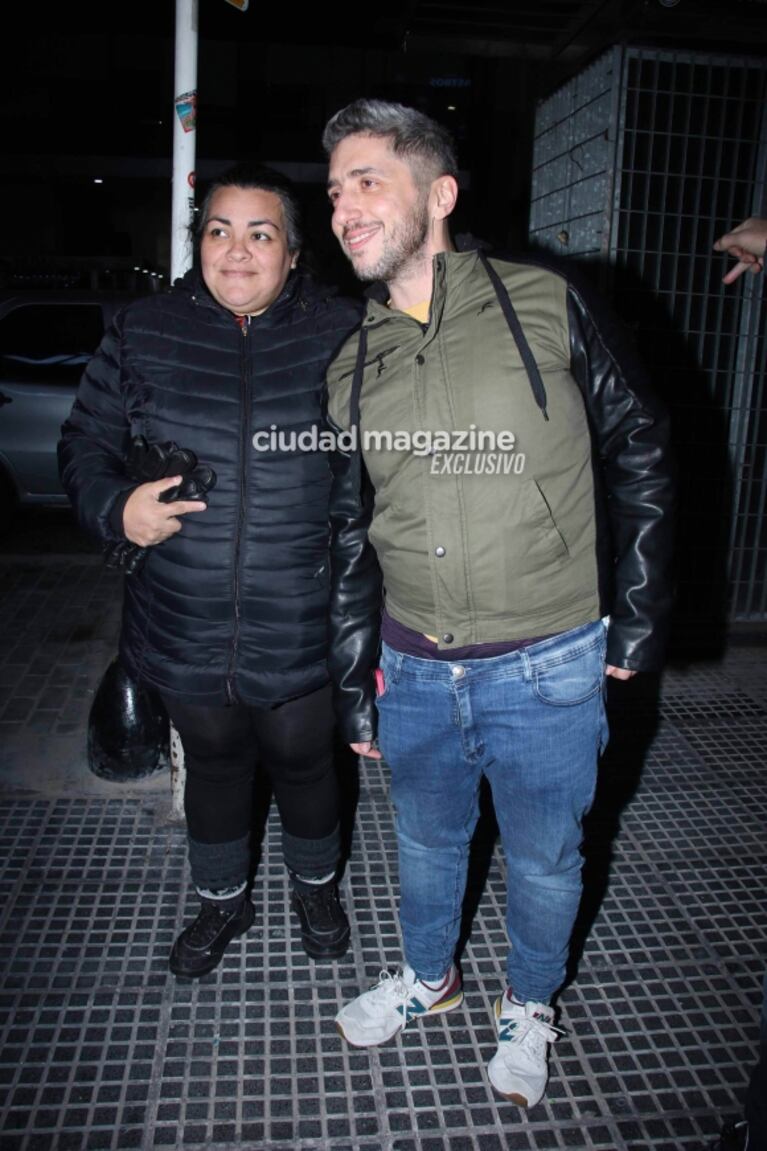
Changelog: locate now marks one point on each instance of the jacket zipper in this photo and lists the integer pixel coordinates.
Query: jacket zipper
(231, 694)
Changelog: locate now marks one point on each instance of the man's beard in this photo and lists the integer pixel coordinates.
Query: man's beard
(401, 247)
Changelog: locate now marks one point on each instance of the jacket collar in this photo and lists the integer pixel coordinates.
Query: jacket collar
(378, 292)
(299, 289)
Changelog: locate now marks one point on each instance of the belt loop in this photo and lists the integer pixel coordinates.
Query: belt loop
(527, 665)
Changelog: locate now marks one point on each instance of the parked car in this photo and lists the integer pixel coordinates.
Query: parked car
(46, 339)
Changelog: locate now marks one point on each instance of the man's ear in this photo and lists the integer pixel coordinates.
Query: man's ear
(442, 197)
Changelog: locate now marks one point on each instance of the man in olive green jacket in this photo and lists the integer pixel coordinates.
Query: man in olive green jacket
(521, 495)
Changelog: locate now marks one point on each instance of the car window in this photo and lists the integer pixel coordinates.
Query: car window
(49, 343)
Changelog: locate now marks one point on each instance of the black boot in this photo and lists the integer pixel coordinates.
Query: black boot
(200, 947)
(324, 926)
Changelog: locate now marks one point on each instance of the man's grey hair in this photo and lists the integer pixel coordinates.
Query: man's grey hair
(412, 134)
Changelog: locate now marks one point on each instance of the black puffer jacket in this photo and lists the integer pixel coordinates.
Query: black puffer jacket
(234, 606)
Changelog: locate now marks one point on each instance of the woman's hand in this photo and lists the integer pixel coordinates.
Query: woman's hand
(147, 521)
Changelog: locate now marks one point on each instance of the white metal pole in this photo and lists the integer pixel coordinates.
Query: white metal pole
(182, 219)
(184, 136)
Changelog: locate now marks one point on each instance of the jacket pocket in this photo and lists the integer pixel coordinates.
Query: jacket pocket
(543, 518)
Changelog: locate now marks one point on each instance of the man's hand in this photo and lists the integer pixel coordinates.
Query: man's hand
(618, 672)
(146, 521)
(747, 244)
(365, 749)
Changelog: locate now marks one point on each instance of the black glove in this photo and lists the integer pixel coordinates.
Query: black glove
(148, 463)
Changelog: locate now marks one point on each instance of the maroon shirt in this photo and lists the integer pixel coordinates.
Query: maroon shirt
(409, 642)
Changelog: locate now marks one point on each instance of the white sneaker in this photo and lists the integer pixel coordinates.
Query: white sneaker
(377, 1015)
(519, 1068)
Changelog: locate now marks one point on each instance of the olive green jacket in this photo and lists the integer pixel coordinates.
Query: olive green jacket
(478, 544)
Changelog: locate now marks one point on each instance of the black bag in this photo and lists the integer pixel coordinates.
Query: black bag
(128, 729)
(150, 462)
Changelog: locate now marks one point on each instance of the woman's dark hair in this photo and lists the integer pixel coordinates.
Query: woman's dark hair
(265, 179)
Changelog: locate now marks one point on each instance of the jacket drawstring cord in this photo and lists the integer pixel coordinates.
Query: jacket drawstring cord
(528, 359)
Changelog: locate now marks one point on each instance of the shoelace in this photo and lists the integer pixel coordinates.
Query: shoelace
(322, 900)
(200, 931)
(322, 894)
(394, 987)
(530, 1034)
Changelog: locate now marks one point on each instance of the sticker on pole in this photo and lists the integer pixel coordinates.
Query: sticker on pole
(186, 109)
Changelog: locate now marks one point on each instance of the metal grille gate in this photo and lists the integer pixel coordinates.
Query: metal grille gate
(640, 162)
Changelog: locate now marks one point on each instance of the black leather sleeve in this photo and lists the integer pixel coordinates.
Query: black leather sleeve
(355, 600)
(630, 432)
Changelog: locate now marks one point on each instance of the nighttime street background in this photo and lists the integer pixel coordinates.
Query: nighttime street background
(87, 94)
(100, 1048)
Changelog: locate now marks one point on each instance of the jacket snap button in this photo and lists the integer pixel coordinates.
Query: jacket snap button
(447, 637)
(419, 359)
(440, 551)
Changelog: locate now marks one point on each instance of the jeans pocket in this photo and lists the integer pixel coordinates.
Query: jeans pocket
(573, 679)
(388, 670)
(382, 696)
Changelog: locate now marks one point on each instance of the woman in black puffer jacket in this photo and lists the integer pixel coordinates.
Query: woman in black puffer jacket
(227, 617)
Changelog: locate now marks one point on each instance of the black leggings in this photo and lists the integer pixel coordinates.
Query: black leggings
(223, 746)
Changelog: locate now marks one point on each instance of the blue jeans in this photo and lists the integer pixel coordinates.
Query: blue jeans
(533, 723)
